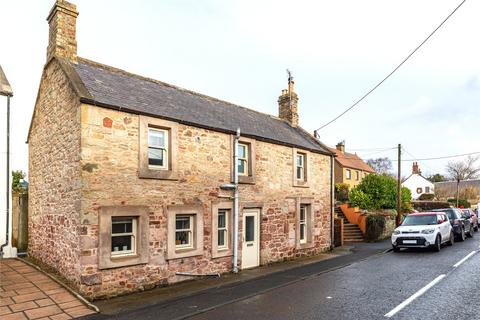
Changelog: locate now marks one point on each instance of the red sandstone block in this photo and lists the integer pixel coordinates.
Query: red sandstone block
(7, 294)
(43, 312)
(48, 285)
(61, 316)
(62, 297)
(4, 310)
(70, 304)
(79, 311)
(18, 286)
(53, 291)
(23, 306)
(27, 290)
(14, 316)
(44, 302)
(29, 297)
(5, 301)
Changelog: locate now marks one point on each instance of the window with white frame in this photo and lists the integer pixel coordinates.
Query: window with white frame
(300, 166)
(348, 174)
(303, 223)
(124, 236)
(184, 225)
(157, 148)
(222, 225)
(242, 164)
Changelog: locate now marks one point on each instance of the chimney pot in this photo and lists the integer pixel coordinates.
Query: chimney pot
(62, 21)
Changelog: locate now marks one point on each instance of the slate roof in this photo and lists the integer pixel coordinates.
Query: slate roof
(105, 86)
(351, 160)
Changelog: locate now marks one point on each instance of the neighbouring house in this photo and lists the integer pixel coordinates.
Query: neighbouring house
(125, 175)
(417, 183)
(468, 190)
(349, 167)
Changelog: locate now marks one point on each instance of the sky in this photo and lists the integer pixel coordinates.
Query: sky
(239, 51)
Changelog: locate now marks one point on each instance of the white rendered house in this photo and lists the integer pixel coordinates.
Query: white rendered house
(418, 184)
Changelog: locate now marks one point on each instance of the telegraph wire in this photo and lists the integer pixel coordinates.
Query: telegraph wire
(392, 72)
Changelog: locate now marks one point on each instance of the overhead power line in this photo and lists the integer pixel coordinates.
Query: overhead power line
(444, 157)
(393, 71)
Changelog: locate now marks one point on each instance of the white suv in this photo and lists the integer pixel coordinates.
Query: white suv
(423, 230)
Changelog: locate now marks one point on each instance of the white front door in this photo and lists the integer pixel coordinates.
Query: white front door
(251, 241)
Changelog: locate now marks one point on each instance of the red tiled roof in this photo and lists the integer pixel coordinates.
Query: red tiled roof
(351, 160)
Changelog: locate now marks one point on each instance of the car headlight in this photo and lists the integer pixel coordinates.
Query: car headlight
(396, 232)
(427, 231)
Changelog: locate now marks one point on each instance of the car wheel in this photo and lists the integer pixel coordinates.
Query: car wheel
(452, 239)
(470, 232)
(476, 228)
(462, 235)
(438, 244)
(396, 249)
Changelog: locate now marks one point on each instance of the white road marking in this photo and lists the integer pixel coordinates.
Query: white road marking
(464, 259)
(414, 296)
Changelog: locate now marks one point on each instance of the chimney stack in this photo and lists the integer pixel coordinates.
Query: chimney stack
(341, 146)
(416, 169)
(62, 21)
(288, 103)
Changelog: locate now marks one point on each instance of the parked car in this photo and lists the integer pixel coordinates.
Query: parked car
(423, 230)
(469, 214)
(461, 226)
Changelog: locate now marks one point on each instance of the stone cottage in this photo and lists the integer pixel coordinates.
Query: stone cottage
(125, 175)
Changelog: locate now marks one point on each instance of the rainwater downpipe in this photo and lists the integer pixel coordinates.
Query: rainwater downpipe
(332, 203)
(7, 225)
(235, 203)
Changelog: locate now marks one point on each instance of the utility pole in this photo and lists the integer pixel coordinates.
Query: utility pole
(399, 186)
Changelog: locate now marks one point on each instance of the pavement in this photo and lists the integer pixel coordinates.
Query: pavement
(27, 293)
(202, 296)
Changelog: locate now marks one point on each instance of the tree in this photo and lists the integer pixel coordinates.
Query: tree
(380, 165)
(437, 177)
(463, 170)
(17, 177)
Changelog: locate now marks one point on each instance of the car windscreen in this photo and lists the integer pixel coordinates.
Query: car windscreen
(419, 220)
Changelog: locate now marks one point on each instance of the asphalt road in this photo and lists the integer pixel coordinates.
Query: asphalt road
(373, 288)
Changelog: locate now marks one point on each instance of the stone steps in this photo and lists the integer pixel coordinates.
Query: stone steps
(351, 232)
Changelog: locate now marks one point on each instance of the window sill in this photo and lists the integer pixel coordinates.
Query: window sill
(301, 184)
(157, 174)
(222, 253)
(246, 179)
(124, 256)
(307, 245)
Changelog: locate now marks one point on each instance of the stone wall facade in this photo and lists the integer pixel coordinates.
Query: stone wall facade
(54, 175)
(110, 164)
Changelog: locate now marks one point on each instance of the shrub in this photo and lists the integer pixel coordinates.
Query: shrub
(341, 191)
(360, 199)
(426, 196)
(406, 199)
(379, 192)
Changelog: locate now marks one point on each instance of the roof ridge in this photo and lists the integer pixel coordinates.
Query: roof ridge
(127, 73)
